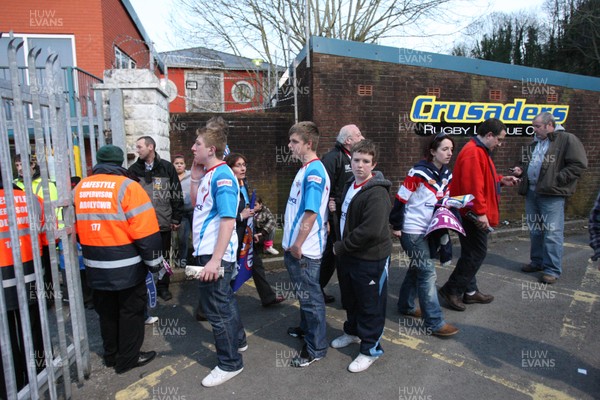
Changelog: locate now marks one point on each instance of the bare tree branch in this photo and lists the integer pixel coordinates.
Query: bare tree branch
(263, 25)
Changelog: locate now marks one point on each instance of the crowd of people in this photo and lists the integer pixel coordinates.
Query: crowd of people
(338, 216)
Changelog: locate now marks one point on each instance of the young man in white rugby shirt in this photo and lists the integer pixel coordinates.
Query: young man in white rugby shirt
(215, 247)
(304, 237)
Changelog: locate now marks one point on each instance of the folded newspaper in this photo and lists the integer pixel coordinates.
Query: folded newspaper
(165, 270)
(194, 271)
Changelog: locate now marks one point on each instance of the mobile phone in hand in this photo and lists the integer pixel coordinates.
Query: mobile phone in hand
(471, 215)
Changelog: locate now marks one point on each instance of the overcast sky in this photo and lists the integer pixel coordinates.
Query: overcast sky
(154, 15)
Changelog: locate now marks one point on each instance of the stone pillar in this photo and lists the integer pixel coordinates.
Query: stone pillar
(144, 112)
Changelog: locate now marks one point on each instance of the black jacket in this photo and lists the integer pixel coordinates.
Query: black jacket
(241, 224)
(366, 232)
(163, 186)
(337, 165)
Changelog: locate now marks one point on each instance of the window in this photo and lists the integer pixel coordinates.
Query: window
(63, 45)
(122, 60)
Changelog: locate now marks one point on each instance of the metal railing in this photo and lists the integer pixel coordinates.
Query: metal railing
(75, 83)
(35, 106)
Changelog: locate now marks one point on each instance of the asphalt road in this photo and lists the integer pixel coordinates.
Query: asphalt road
(533, 341)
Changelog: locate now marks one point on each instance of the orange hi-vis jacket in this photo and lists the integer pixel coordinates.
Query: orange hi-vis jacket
(118, 231)
(6, 253)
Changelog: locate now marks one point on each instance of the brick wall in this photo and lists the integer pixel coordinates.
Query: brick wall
(119, 30)
(261, 137)
(96, 24)
(60, 17)
(333, 101)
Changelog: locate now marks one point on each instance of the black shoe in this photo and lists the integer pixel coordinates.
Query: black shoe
(144, 358)
(478, 297)
(328, 298)
(452, 301)
(550, 279)
(296, 332)
(304, 359)
(200, 315)
(531, 268)
(277, 300)
(165, 295)
(109, 362)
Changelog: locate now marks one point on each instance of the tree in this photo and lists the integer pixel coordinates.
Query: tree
(267, 27)
(514, 39)
(576, 36)
(532, 55)
(569, 41)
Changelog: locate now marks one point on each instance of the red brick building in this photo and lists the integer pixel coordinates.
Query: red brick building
(212, 81)
(92, 35)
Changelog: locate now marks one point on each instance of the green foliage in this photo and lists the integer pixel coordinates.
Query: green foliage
(571, 43)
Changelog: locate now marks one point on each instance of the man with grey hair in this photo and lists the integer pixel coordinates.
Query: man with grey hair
(337, 164)
(553, 163)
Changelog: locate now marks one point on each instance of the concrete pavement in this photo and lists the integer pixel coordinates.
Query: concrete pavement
(534, 341)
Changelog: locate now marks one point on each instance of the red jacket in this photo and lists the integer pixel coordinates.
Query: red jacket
(475, 173)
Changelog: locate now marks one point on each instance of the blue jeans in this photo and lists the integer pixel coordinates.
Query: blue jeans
(221, 308)
(546, 223)
(420, 281)
(304, 274)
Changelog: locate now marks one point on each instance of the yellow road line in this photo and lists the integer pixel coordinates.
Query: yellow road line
(579, 315)
(533, 389)
(565, 244)
(142, 389)
(590, 280)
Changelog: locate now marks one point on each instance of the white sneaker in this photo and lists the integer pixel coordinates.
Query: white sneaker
(218, 376)
(150, 320)
(243, 348)
(344, 340)
(361, 363)
(271, 250)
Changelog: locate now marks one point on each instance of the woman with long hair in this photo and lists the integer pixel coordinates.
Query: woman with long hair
(427, 182)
